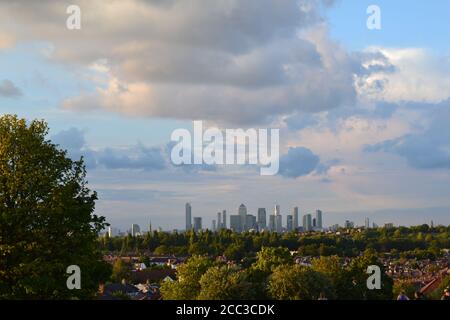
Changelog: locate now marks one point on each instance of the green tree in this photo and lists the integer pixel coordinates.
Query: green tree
(121, 271)
(358, 273)
(298, 283)
(187, 286)
(46, 217)
(224, 283)
(269, 258)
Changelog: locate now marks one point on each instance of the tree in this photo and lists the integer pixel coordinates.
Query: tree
(224, 283)
(46, 217)
(298, 283)
(358, 273)
(121, 271)
(333, 270)
(270, 258)
(187, 286)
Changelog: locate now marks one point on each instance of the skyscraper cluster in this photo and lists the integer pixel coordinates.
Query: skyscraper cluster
(243, 221)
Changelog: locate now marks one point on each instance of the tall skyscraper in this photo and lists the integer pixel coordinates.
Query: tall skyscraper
(235, 222)
(224, 219)
(272, 223)
(219, 223)
(319, 224)
(197, 224)
(250, 222)
(289, 222)
(307, 222)
(276, 210)
(213, 226)
(279, 223)
(262, 224)
(242, 211)
(278, 219)
(188, 217)
(367, 223)
(295, 214)
(135, 230)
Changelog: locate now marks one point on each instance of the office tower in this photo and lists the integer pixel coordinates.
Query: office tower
(219, 223)
(242, 211)
(278, 219)
(295, 214)
(197, 224)
(319, 223)
(289, 222)
(367, 223)
(250, 222)
(262, 219)
(272, 223)
(135, 230)
(279, 223)
(213, 226)
(276, 210)
(349, 224)
(307, 223)
(374, 225)
(388, 225)
(314, 225)
(188, 217)
(224, 219)
(113, 232)
(150, 226)
(235, 222)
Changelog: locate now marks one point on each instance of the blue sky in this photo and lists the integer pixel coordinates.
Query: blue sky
(404, 24)
(363, 114)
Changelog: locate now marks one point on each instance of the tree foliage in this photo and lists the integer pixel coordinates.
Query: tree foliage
(46, 216)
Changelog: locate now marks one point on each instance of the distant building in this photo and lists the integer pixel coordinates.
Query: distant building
(367, 223)
(272, 223)
(314, 224)
(319, 222)
(197, 224)
(250, 222)
(307, 222)
(242, 211)
(295, 216)
(213, 226)
(135, 230)
(224, 219)
(235, 223)
(388, 225)
(349, 224)
(262, 219)
(219, 223)
(279, 223)
(334, 227)
(289, 222)
(188, 216)
(113, 232)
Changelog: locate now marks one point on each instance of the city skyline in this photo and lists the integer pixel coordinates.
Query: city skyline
(309, 221)
(363, 115)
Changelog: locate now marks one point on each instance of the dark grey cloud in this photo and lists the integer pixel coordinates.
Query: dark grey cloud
(137, 157)
(298, 162)
(9, 90)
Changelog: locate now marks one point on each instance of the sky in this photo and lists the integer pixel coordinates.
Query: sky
(364, 115)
